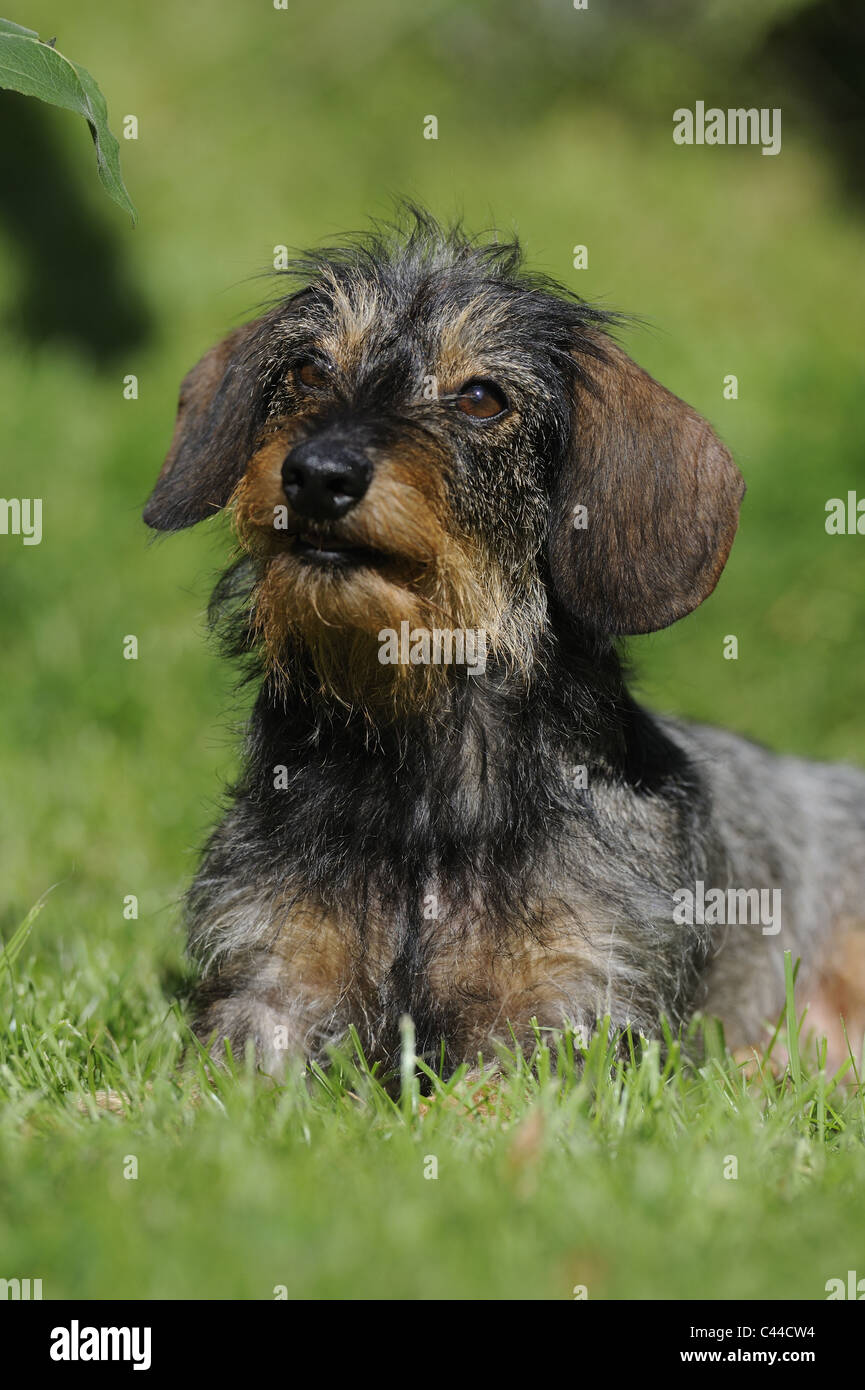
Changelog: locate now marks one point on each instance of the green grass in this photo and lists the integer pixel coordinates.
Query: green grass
(656, 1176)
(260, 127)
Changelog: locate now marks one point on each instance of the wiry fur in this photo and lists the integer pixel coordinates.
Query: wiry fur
(420, 840)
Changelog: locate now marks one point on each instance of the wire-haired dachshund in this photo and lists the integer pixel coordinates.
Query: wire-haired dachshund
(453, 494)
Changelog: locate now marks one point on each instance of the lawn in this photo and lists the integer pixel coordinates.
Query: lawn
(260, 127)
(562, 1175)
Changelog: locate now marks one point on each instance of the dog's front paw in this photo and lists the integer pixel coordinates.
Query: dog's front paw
(276, 1035)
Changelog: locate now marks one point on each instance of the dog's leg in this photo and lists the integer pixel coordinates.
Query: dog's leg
(279, 978)
(286, 973)
(257, 1000)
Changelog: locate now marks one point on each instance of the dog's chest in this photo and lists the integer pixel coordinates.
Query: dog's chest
(451, 964)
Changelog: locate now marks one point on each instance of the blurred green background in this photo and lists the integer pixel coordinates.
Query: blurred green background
(260, 126)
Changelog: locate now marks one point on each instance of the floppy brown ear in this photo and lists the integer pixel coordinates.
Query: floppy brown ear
(216, 423)
(661, 497)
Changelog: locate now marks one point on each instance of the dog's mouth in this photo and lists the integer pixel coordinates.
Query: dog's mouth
(334, 552)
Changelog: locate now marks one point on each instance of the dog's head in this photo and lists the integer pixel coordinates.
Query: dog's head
(424, 434)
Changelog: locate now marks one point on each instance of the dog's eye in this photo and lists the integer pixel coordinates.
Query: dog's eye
(482, 400)
(311, 376)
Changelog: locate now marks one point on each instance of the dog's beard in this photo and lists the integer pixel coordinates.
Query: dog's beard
(419, 574)
(338, 618)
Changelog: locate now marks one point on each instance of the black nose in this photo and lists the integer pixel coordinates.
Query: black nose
(323, 479)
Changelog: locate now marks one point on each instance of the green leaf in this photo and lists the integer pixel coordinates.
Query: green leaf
(37, 70)
(7, 27)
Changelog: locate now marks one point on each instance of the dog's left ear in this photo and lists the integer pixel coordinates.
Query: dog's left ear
(213, 434)
(661, 496)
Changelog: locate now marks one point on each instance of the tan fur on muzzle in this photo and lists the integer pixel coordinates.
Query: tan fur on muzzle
(428, 576)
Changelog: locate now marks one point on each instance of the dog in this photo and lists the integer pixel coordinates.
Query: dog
(422, 437)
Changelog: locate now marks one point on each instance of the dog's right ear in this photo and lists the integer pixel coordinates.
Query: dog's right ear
(213, 434)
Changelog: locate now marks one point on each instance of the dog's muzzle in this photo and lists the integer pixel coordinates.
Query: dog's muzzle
(323, 479)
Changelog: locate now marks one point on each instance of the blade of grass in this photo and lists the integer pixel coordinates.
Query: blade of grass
(409, 1087)
(13, 947)
(792, 1022)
